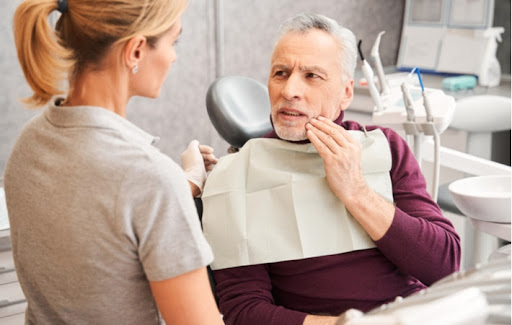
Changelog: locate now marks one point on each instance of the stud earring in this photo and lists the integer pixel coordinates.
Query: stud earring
(135, 69)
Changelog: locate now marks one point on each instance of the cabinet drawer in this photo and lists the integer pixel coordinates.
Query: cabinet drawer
(11, 310)
(17, 318)
(8, 276)
(11, 293)
(6, 260)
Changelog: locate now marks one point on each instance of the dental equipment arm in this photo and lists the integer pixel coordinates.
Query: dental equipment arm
(410, 127)
(419, 129)
(429, 128)
(408, 102)
(426, 101)
(464, 162)
(368, 74)
(384, 87)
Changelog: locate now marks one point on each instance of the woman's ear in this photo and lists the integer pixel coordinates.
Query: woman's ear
(134, 51)
(347, 94)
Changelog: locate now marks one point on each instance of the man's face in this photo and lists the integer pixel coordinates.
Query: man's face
(305, 81)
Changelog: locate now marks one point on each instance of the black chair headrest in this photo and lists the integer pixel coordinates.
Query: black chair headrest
(239, 109)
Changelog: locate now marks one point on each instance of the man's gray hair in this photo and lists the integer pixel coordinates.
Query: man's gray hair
(346, 39)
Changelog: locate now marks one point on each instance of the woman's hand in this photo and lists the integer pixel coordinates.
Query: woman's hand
(196, 160)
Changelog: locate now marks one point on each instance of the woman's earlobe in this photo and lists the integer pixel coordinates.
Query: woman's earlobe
(134, 50)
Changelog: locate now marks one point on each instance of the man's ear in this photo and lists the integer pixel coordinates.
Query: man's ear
(134, 51)
(347, 94)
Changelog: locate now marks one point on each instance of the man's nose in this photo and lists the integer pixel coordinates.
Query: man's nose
(293, 88)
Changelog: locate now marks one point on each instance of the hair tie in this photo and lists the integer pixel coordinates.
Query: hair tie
(62, 6)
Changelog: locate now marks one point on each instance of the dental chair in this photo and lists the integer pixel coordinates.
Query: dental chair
(239, 109)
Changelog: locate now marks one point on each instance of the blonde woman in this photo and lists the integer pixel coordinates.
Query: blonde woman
(103, 226)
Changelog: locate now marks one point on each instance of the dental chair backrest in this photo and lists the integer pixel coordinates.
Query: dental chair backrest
(239, 109)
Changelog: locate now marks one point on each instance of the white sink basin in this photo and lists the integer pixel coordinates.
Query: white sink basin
(486, 198)
(493, 113)
(500, 230)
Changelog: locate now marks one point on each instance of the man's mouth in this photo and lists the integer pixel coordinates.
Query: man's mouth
(291, 112)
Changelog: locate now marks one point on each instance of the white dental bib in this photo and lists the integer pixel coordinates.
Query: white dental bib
(270, 202)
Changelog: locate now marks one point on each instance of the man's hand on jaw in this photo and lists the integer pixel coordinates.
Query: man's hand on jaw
(342, 160)
(342, 157)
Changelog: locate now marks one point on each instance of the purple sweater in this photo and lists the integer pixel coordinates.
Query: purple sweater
(420, 247)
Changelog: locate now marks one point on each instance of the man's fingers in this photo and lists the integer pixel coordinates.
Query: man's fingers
(330, 140)
(321, 142)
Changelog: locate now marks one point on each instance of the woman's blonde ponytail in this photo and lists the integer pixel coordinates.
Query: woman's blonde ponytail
(44, 61)
(84, 33)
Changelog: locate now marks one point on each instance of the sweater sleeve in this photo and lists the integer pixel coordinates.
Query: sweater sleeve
(421, 241)
(245, 297)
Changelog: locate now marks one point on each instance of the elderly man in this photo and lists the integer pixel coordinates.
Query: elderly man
(322, 215)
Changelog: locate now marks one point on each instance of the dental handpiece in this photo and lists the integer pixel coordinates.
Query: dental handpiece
(426, 103)
(408, 102)
(384, 88)
(426, 100)
(368, 74)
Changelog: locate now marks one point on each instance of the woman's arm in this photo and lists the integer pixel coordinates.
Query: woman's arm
(187, 299)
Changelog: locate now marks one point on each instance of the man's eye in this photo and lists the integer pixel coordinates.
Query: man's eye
(312, 75)
(279, 73)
